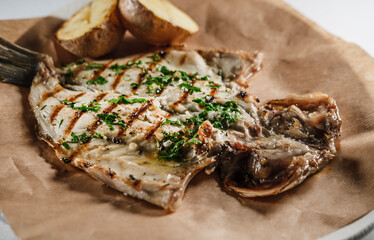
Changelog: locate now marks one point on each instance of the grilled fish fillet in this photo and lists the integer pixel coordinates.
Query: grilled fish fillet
(146, 124)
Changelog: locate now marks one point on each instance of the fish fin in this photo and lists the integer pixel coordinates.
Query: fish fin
(18, 65)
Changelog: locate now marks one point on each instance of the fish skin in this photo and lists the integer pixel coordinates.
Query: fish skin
(298, 139)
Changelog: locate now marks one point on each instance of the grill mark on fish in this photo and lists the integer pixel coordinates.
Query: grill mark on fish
(142, 74)
(183, 59)
(213, 92)
(80, 113)
(133, 116)
(99, 97)
(73, 98)
(158, 124)
(77, 70)
(55, 111)
(184, 95)
(93, 126)
(47, 95)
(98, 72)
(73, 122)
(119, 76)
(58, 108)
(153, 130)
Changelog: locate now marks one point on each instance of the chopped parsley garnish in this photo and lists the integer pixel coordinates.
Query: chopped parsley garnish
(171, 122)
(158, 83)
(73, 64)
(155, 57)
(119, 68)
(161, 82)
(206, 78)
(65, 145)
(225, 113)
(69, 73)
(43, 107)
(93, 65)
(220, 73)
(97, 80)
(194, 140)
(124, 100)
(93, 106)
(83, 138)
(62, 120)
(134, 84)
(112, 119)
(189, 87)
(173, 146)
(213, 86)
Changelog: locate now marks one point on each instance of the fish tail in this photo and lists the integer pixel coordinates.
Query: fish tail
(18, 65)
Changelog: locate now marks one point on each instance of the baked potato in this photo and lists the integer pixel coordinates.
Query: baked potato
(157, 22)
(93, 31)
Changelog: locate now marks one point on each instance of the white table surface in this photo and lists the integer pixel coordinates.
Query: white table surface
(352, 20)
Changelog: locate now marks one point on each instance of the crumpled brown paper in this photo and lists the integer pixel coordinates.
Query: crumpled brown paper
(42, 200)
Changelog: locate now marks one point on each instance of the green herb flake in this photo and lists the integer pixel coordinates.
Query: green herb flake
(93, 106)
(62, 120)
(172, 146)
(124, 100)
(69, 73)
(98, 135)
(43, 107)
(194, 140)
(99, 80)
(155, 57)
(171, 122)
(189, 87)
(220, 73)
(213, 86)
(65, 145)
(93, 65)
(112, 119)
(226, 113)
(73, 64)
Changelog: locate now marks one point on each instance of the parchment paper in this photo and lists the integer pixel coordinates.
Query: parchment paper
(42, 200)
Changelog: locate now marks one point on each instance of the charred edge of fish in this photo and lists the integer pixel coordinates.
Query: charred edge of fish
(87, 164)
(66, 160)
(19, 65)
(116, 140)
(111, 174)
(242, 94)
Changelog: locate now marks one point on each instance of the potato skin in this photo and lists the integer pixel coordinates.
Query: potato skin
(145, 26)
(100, 40)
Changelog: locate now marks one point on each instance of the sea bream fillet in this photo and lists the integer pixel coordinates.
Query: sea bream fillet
(146, 124)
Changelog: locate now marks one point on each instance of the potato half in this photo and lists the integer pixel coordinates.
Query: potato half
(93, 31)
(157, 22)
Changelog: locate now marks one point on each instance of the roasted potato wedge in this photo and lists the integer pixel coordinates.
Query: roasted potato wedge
(93, 31)
(157, 22)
